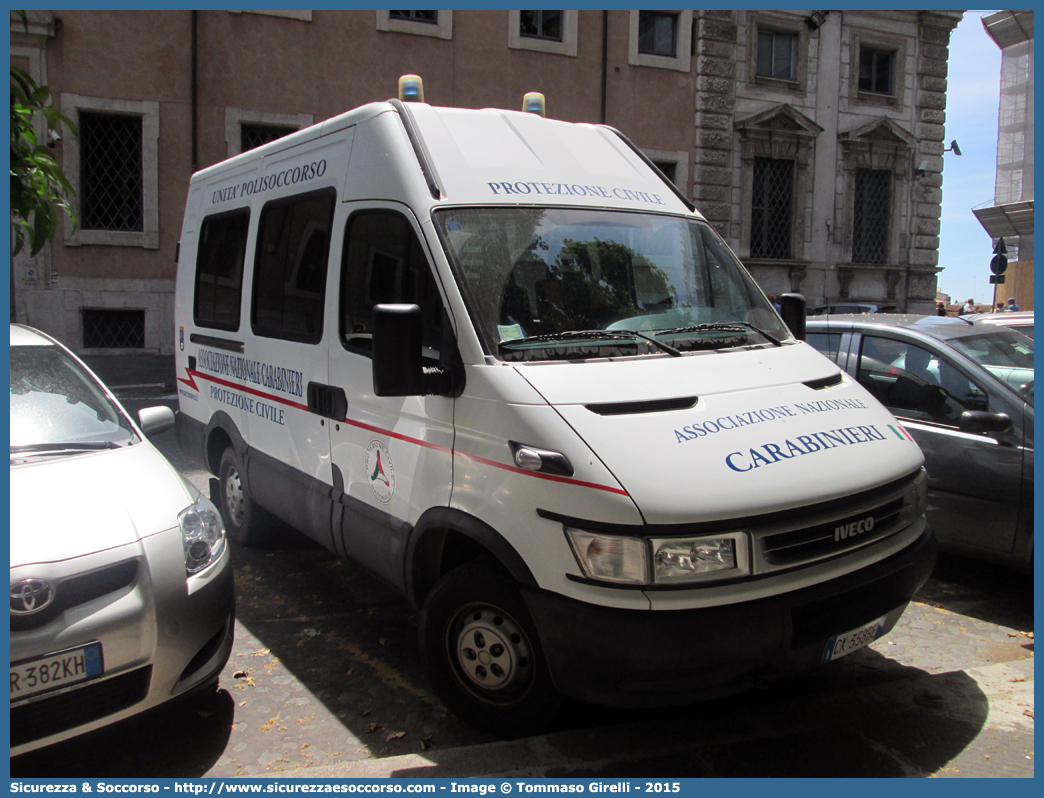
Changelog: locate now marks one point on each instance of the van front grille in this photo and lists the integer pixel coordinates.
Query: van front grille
(833, 537)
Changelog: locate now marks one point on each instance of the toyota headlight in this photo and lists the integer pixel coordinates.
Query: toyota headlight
(202, 533)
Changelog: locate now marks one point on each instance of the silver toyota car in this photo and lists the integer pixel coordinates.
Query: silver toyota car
(121, 583)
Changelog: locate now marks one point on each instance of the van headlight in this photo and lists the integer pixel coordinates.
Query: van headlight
(915, 502)
(202, 533)
(695, 559)
(611, 558)
(639, 561)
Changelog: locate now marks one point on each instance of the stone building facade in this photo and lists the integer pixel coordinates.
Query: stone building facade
(812, 141)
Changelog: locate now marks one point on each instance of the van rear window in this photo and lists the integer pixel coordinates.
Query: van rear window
(293, 244)
(219, 270)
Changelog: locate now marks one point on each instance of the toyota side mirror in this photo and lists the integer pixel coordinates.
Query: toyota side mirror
(154, 420)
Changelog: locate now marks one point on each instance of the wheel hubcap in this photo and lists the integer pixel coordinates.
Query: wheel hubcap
(492, 651)
(234, 495)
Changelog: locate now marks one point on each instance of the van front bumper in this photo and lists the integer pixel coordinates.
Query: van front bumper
(642, 658)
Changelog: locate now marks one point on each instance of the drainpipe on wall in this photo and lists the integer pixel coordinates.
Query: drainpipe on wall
(605, 58)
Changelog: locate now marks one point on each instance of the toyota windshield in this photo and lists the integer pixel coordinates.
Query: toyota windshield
(572, 284)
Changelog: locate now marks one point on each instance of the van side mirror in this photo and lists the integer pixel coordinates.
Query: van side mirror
(793, 313)
(396, 351)
(983, 421)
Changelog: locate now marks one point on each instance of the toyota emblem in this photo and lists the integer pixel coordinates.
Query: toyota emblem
(30, 595)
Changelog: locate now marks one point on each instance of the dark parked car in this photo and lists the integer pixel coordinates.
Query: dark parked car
(964, 391)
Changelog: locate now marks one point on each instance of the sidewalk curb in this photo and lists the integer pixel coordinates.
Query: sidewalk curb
(1007, 686)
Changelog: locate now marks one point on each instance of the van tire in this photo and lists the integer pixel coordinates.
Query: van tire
(245, 522)
(508, 691)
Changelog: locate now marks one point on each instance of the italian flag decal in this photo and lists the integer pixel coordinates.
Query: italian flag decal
(901, 433)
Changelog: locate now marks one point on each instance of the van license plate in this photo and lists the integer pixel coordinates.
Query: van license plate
(56, 670)
(840, 645)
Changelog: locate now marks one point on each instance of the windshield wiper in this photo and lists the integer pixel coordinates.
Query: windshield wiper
(735, 326)
(592, 336)
(74, 446)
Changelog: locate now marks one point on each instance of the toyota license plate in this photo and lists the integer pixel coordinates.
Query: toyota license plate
(56, 670)
(840, 645)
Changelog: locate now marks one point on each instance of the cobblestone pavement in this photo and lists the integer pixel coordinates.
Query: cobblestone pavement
(325, 673)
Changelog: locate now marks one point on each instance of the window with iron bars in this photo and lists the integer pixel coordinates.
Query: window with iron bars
(251, 136)
(430, 17)
(105, 328)
(541, 25)
(771, 208)
(873, 189)
(111, 176)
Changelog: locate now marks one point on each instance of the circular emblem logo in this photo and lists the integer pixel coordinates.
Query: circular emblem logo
(380, 471)
(30, 595)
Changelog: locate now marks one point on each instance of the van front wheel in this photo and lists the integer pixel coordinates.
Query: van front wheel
(483, 654)
(244, 519)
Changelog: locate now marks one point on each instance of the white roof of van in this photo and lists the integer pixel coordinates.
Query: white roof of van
(492, 155)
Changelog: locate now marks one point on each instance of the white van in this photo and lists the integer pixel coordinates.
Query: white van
(502, 362)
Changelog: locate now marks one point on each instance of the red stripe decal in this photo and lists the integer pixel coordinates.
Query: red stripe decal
(551, 477)
(483, 460)
(240, 387)
(405, 438)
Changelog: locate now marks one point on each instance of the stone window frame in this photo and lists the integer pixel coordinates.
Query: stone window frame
(878, 40)
(568, 45)
(865, 148)
(443, 29)
(236, 117)
(682, 61)
(758, 140)
(777, 23)
(148, 237)
(680, 159)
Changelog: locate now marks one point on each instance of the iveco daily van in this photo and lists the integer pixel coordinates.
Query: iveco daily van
(501, 361)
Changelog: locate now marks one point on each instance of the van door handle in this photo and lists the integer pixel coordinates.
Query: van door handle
(327, 400)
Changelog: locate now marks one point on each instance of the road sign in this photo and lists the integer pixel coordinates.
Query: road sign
(996, 279)
(999, 264)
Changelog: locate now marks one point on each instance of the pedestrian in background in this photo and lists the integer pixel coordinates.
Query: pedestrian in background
(1012, 307)
(940, 309)
(966, 308)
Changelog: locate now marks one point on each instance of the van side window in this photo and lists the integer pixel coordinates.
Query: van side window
(293, 244)
(219, 270)
(383, 262)
(915, 383)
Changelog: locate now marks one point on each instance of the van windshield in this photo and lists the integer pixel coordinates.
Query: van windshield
(562, 283)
